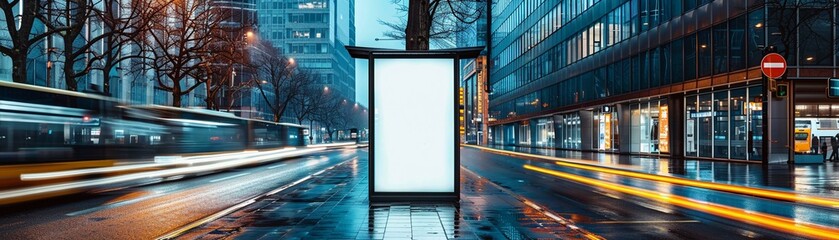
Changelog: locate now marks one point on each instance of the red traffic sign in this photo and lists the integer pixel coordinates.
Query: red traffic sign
(773, 65)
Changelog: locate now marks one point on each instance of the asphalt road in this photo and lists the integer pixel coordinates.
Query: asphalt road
(615, 215)
(156, 206)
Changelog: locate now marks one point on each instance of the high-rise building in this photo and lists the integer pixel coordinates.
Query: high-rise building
(314, 33)
(679, 79)
(473, 79)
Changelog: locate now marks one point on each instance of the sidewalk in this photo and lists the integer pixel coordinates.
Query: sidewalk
(820, 179)
(334, 205)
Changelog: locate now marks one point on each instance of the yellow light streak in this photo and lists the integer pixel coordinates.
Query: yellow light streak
(773, 222)
(751, 191)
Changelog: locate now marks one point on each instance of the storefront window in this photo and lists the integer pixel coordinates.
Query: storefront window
(646, 128)
(705, 129)
(663, 129)
(524, 134)
(605, 129)
(721, 124)
(509, 135)
(635, 128)
(738, 130)
(690, 126)
(544, 132)
(572, 131)
(727, 124)
(755, 135)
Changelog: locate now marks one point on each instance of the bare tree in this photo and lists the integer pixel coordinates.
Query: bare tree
(228, 54)
(279, 78)
(307, 104)
(78, 20)
(20, 17)
(429, 20)
(334, 114)
(180, 44)
(125, 23)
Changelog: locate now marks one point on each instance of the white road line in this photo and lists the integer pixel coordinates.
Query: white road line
(114, 205)
(276, 166)
(229, 177)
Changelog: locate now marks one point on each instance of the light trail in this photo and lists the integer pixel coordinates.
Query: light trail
(751, 191)
(17, 195)
(769, 221)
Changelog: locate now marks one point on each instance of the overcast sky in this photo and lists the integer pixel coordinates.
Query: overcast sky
(367, 29)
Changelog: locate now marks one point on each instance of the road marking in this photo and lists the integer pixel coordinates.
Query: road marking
(751, 191)
(531, 204)
(113, 205)
(229, 177)
(276, 166)
(764, 220)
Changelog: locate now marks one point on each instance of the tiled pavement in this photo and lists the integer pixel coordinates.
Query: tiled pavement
(334, 205)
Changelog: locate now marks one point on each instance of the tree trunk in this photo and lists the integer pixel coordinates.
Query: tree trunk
(276, 117)
(106, 79)
(176, 94)
(419, 25)
(72, 85)
(19, 69)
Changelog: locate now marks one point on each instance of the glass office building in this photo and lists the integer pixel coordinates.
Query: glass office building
(314, 33)
(663, 78)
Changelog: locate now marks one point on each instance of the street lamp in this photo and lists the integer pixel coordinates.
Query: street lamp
(291, 60)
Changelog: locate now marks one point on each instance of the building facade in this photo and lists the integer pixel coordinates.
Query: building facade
(677, 79)
(314, 33)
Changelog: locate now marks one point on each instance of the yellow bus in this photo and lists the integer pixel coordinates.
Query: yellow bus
(803, 140)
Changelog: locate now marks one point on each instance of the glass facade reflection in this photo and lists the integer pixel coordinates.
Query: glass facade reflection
(680, 78)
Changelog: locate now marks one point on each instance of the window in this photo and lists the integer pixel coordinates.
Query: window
(738, 131)
(816, 28)
(704, 123)
(664, 65)
(720, 48)
(655, 67)
(690, 57)
(636, 73)
(756, 37)
(755, 134)
(737, 46)
(690, 126)
(703, 49)
(676, 62)
(721, 124)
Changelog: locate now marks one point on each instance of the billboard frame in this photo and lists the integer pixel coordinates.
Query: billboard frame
(371, 54)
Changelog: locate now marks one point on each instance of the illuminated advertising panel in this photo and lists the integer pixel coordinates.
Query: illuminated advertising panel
(414, 125)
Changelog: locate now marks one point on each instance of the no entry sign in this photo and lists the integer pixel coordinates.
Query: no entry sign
(773, 65)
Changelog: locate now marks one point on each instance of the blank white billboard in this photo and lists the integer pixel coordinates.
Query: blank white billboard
(414, 125)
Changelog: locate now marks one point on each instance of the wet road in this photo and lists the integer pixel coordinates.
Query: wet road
(152, 209)
(615, 215)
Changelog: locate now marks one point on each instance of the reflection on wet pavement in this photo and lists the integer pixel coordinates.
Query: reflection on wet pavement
(334, 205)
(822, 179)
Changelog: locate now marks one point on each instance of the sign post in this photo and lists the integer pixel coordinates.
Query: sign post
(414, 113)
